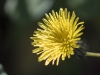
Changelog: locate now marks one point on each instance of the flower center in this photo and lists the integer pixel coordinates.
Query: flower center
(66, 42)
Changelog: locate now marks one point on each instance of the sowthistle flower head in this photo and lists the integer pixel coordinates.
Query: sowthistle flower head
(57, 36)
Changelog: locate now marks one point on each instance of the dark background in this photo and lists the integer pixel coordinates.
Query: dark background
(18, 20)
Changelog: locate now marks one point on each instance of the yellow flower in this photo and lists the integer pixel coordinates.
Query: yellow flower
(57, 36)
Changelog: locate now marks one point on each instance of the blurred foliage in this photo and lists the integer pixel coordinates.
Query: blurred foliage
(18, 20)
(2, 72)
(86, 9)
(25, 10)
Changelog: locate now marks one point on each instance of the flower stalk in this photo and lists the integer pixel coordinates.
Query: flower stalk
(92, 54)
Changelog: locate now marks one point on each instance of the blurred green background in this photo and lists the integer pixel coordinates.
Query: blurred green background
(18, 20)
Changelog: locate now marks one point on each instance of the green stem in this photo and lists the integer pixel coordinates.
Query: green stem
(92, 54)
